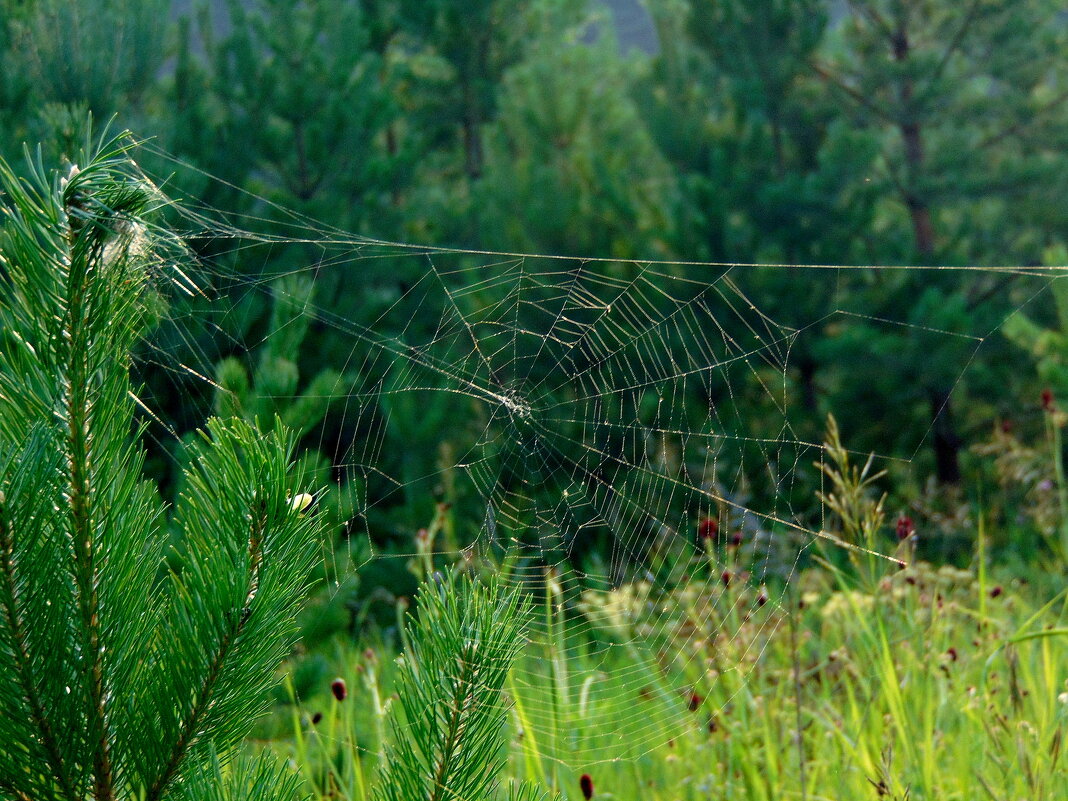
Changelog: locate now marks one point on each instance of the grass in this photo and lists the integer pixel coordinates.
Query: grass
(925, 684)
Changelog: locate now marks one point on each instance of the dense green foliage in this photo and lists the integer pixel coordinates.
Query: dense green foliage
(794, 130)
(120, 678)
(577, 364)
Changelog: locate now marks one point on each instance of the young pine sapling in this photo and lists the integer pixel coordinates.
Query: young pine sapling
(120, 679)
(448, 742)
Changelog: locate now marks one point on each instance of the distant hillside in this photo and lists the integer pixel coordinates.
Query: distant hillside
(633, 25)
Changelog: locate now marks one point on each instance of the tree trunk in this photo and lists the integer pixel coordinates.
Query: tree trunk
(922, 229)
(919, 211)
(472, 125)
(912, 139)
(946, 442)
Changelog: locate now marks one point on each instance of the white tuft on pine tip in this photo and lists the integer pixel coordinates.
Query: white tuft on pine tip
(71, 173)
(301, 502)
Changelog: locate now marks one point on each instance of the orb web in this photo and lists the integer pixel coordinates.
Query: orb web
(617, 438)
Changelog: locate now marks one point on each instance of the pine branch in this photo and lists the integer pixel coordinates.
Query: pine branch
(1024, 123)
(831, 77)
(74, 330)
(14, 618)
(528, 791)
(461, 702)
(261, 778)
(866, 9)
(111, 686)
(190, 726)
(447, 746)
(78, 413)
(954, 44)
(247, 557)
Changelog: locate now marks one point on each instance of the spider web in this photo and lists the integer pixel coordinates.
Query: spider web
(603, 417)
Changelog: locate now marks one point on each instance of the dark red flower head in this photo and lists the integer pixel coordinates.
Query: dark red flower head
(905, 527)
(1048, 400)
(695, 702)
(996, 591)
(338, 688)
(1007, 426)
(736, 538)
(586, 785)
(708, 528)
(726, 577)
(316, 718)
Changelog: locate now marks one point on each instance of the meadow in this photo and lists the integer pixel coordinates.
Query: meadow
(927, 682)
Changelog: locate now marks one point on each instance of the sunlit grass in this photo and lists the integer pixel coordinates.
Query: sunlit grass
(930, 683)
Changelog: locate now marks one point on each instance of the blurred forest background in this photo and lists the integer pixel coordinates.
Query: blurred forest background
(874, 132)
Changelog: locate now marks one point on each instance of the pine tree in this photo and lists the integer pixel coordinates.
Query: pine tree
(967, 104)
(448, 743)
(105, 54)
(475, 38)
(118, 678)
(569, 146)
(286, 99)
(760, 47)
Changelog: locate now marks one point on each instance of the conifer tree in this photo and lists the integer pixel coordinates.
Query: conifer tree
(119, 679)
(967, 103)
(569, 145)
(448, 743)
(105, 54)
(286, 99)
(473, 37)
